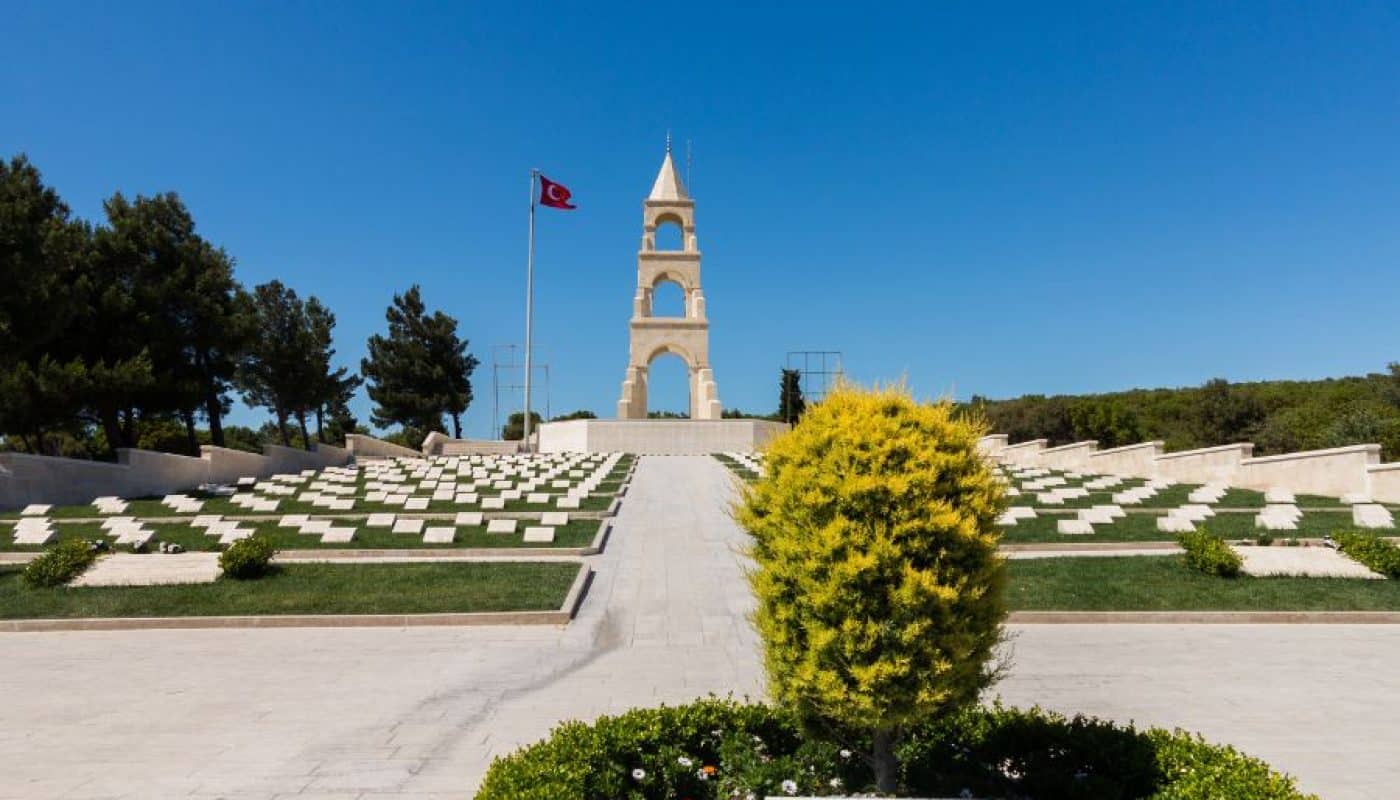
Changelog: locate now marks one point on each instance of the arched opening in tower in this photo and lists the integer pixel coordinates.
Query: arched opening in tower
(668, 300)
(668, 387)
(669, 235)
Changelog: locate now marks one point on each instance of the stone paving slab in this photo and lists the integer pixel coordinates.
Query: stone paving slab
(151, 569)
(1312, 562)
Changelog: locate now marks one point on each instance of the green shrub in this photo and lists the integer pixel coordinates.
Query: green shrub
(742, 749)
(1209, 554)
(247, 558)
(59, 564)
(878, 582)
(1264, 539)
(1368, 549)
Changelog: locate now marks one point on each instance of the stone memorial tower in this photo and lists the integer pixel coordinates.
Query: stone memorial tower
(686, 336)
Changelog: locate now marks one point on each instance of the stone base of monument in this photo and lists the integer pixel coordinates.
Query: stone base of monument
(657, 436)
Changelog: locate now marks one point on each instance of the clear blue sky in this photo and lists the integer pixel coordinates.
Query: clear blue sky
(992, 199)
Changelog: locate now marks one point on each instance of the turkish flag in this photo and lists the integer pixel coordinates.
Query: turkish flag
(554, 194)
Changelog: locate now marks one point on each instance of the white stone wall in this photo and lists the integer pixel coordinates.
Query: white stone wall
(362, 446)
(657, 436)
(1129, 461)
(1384, 482)
(1024, 453)
(992, 445)
(26, 479)
(1335, 472)
(1073, 457)
(1204, 465)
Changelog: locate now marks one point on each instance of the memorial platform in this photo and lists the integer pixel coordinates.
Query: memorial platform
(657, 436)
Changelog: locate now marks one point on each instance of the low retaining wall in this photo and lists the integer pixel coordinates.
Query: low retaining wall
(1071, 457)
(1384, 480)
(1129, 461)
(440, 444)
(361, 446)
(991, 446)
(26, 479)
(1205, 465)
(1025, 454)
(658, 436)
(1336, 471)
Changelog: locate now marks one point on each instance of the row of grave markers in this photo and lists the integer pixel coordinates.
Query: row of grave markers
(1280, 512)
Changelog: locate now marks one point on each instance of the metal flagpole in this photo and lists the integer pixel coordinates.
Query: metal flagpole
(529, 307)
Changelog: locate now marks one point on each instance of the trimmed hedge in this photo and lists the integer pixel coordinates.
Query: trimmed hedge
(1370, 550)
(247, 558)
(59, 564)
(1209, 554)
(716, 749)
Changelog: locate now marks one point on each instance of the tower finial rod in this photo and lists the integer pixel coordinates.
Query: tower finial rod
(668, 140)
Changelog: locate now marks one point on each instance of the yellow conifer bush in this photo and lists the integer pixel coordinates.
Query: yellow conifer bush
(878, 582)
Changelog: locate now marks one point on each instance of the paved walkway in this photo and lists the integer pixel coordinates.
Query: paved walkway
(419, 713)
(413, 713)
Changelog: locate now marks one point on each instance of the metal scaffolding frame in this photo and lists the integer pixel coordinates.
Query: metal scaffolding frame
(508, 375)
(819, 369)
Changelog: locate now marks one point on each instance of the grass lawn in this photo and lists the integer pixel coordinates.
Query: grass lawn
(578, 533)
(1163, 583)
(737, 468)
(309, 589)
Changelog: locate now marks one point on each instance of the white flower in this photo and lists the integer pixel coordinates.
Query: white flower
(638, 774)
(845, 753)
(789, 787)
(702, 774)
(684, 762)
(836, 783)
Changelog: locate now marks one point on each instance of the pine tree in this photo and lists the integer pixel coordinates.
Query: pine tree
(420, 370)
(282, 362)
(42, 252)
(791, 403)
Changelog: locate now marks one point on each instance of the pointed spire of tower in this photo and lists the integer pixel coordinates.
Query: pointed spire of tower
(668, 184)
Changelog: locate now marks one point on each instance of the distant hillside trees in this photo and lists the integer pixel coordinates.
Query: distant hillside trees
(1278, 416)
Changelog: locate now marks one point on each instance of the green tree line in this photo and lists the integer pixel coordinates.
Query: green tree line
(134, 332)
(1278, 416)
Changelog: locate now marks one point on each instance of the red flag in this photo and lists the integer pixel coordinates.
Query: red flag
(554, 195)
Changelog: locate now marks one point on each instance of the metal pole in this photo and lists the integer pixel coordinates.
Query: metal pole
(529, 307)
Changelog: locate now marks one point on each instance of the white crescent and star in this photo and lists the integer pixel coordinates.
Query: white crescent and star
(553, 192)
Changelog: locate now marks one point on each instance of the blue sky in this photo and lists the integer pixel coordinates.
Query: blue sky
(998, 199)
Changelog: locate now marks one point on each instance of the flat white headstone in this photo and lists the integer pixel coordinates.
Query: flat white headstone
(539, 534)
(468, 518)
(408, 526)
(416, 504)
(554, 518)
(440, 534)
(380, 520)
(1170, 524)
(1371, 515)
(334, 535)
(1074, 527)
(566, 502)
(501, 526)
